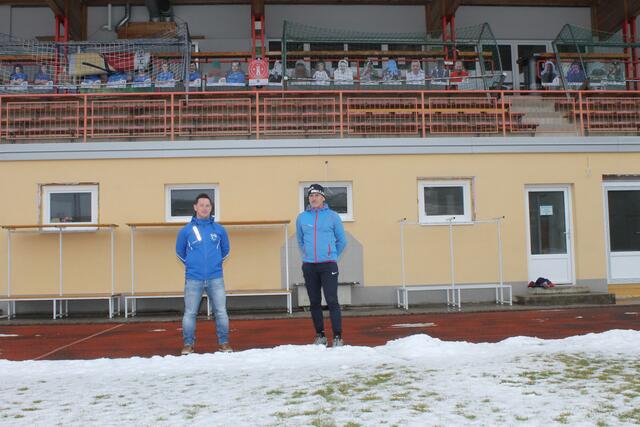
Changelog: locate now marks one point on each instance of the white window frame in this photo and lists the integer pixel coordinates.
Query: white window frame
(466, 218)
(167, 200)
(515, 78)
(48, 190)
(303, 202)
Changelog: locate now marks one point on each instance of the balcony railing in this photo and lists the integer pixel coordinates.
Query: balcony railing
(327, 114)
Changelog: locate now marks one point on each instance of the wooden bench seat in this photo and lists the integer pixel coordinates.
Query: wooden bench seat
(499, 291)
(454, 293)
(523, 127)
(204, 115)
(131, 298)
(402, 294)
(60, 303)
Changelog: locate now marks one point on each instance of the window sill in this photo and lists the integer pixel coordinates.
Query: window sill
(53, 228)
(446, 223)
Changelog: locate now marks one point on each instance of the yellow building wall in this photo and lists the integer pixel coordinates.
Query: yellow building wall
(625, 291)
(385, 189)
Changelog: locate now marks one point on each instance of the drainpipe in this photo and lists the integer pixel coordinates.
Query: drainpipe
(126, 18)
(108, 27)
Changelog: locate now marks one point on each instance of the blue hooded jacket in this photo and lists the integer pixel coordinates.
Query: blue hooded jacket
(320, 235)
(202, 245)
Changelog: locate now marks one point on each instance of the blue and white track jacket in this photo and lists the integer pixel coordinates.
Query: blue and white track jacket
(202, 245)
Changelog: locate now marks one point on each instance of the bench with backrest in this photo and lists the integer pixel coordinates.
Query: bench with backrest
(60, 303)
(61, 297)
(132, 297)
(454, 290)
(130, 306)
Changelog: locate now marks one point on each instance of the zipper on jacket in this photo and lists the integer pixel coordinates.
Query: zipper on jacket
(204, 252)
(315, 238)
(329, 249)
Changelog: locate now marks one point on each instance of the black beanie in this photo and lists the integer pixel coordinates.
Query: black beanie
(316, 188)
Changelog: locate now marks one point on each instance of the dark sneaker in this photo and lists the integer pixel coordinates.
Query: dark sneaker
(337, 341)
(187, 349)
(320, 340)
(225, 348)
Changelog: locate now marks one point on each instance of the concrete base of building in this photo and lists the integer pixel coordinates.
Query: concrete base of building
(564, 296)
(362, 297)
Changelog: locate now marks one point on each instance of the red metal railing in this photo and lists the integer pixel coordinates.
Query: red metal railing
(328, 113)
(40, 120)
(214, 117)
(612, 115)
(383, 116)
(311, 115)
(132, 118)
(467, 115)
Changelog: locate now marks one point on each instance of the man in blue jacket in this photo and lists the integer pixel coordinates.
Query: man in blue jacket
(321, 240)
(202, 246)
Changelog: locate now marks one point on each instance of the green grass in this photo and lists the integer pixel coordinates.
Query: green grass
(102, 396)
(322, 422)
(563, 418)
(379, 379)
(326, 392)
(399, 397)
(370, 397)
(630, 416)
(420, 407)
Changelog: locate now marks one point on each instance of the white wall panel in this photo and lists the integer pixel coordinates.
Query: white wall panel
(517, 23)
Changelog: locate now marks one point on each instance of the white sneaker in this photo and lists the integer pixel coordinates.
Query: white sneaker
(320, 340)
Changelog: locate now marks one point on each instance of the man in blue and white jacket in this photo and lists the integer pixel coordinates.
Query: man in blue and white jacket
(202, 245)
(321, 240)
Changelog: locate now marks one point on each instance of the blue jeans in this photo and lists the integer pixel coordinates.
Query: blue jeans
(193, 291)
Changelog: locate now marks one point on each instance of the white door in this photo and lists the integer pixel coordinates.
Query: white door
(549, 234)
(622, 211)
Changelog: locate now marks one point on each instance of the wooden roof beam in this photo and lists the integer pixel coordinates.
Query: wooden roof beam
(438, 9)
(611, 14)
(546, 3)
(76, 16)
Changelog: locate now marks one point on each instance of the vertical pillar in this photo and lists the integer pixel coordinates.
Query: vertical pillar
(257, 28)
(634, 51)
(448, 22)
(452, 30)
(628, 62)
(445, 37)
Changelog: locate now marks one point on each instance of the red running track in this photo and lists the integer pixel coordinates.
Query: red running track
(56, 341)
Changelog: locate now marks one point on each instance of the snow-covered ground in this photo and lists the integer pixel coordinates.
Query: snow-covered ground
(588, 380)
